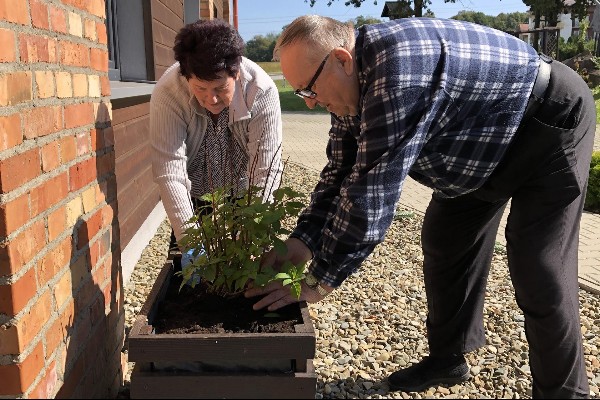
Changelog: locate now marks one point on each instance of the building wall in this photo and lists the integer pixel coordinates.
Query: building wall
(61, 310)
(167, 19)
(137, 194)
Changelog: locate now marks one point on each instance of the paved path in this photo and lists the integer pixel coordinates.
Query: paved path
(304, 141)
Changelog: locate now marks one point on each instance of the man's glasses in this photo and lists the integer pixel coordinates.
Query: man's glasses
(307, 91)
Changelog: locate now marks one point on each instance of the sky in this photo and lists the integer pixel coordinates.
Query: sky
(261, 17)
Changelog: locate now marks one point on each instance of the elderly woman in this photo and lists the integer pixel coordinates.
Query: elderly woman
(215, 121)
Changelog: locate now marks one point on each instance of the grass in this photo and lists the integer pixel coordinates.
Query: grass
(290, 102)
(271, 67)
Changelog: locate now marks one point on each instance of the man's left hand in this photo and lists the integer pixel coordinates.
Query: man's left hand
(277, 295)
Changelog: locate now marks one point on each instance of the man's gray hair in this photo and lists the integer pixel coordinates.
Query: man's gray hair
(320, 35)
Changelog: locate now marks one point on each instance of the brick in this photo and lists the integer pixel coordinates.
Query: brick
(44, 83)
(68, 149)
(80, 4)
(49, 193)
(15, 88)
(9, 340)
(83, 143)
(99, 59)
(14, 297)
(54, 261)
(89, 199)
(14, 214)
(47, 385)
(74, 54)
(35, 48)
(59, 331)
(16, 378)
(19, 169)
(57, 223)
(96, 7)
(58, 19)
(82, 174)
(63, 290)
(8, 45)
(10, 131)
(94, 86)
(41, 121)
(80, 272)
(14, 11)
(101, 32)
(64, 84)
(80, 85)
(104, 85)
(74, 211)
(21, 249)
(89, 229)
(30, 324)
(50, 156)
(75, 24)
(39, 14)
(89, 29)
(77, 115)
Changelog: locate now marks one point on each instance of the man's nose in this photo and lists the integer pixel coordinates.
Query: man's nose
(310, 103)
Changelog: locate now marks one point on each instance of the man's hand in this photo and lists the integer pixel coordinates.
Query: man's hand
(277, 295)
(297, 253)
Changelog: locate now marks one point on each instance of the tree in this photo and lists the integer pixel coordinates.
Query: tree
(503, 21)
(361, 20)
(260, 48)
(416, 10)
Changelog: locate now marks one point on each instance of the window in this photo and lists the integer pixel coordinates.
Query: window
(129, 31)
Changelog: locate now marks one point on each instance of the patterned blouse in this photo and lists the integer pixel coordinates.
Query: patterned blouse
(220, 162)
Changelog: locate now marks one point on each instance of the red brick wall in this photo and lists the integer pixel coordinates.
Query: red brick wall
(61, 311)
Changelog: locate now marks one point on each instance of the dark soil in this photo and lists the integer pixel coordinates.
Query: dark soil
(195, 310)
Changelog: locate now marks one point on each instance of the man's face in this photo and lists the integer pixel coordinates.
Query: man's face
(213, 95)
(336, 86)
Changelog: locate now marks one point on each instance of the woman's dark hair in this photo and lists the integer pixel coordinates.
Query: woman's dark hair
(206, 47)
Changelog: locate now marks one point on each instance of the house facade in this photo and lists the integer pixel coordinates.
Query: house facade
(77, 200)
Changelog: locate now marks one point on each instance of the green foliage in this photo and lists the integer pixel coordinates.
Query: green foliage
(361, 20)
(592, 199)
(228, 242)
(260, 48)
(503, 21)
(412, 8)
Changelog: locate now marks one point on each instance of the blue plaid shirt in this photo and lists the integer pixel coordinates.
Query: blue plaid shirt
(440, 101)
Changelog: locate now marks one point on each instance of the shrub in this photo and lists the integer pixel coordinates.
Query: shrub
(592, 200)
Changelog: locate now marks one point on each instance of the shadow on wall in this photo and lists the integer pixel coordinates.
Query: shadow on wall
(93, 328)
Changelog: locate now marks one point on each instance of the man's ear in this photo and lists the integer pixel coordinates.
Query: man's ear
(344, 57)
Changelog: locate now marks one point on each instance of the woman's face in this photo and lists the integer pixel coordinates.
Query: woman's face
(213, 95)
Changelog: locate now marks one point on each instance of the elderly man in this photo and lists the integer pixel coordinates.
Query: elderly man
(481, 118)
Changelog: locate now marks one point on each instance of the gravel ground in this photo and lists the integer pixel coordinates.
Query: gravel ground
(375, 323)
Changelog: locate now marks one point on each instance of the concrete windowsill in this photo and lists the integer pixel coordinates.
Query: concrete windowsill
(126, 94)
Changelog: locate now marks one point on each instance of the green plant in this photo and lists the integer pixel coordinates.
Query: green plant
(592, 199)
(228, 241)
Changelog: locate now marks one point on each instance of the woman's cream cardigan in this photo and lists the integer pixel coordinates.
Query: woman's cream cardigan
(178, 124)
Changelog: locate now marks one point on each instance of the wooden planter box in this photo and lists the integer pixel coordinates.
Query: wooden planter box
(228, 365)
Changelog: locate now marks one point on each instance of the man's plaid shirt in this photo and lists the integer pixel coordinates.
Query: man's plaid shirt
(440, 100)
